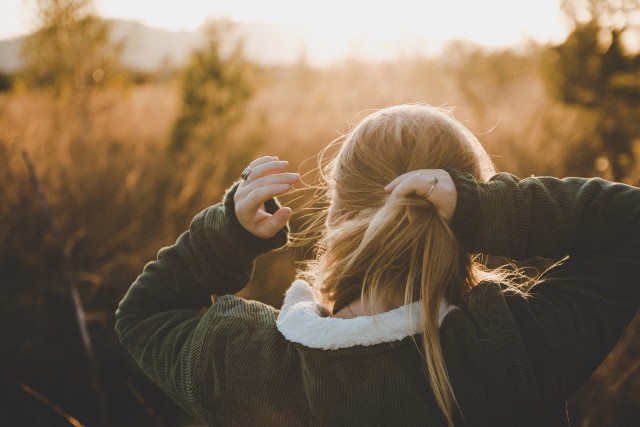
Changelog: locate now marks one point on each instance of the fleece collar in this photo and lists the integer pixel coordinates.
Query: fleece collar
(304, 320)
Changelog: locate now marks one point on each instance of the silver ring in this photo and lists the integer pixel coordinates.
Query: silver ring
(245, 173)
(434, 181)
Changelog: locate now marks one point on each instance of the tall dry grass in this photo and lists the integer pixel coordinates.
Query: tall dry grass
(119, 194)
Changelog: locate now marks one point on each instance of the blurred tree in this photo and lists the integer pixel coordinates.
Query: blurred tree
(208, 149)
(71, 54)
(598, 68)
(215, 89)
(71, 51)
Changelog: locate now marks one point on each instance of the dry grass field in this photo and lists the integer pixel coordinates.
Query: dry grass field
(118, 194)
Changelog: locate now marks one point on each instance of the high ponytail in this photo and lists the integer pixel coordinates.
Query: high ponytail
(394, 253)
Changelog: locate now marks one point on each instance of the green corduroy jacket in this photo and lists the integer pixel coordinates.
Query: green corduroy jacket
(513, 359)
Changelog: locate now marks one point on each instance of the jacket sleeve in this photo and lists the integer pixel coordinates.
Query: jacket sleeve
(574, 315)
(160, 320)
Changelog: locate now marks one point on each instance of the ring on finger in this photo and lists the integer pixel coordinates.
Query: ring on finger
(434, 181)
(245, 173)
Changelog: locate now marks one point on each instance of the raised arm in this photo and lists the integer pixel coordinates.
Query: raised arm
(159, 321)
(546, 217)
(575, 314)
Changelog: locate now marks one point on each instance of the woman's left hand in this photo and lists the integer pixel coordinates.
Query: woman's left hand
(268, 178)
(441, 193)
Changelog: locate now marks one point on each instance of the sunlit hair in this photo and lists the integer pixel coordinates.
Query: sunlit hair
(401, 251)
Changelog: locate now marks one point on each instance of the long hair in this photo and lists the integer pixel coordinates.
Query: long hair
(381, 251)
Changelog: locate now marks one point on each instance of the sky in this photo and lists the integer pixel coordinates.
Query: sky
(342, 26)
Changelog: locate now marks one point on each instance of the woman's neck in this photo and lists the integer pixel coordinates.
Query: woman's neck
(368, 307)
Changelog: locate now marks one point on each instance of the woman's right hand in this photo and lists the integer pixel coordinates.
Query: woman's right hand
(267, 178)
(442, 195)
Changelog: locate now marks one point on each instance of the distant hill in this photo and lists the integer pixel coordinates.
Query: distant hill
(146, 48)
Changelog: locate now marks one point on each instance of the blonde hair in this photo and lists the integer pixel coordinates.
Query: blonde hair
(369, 247)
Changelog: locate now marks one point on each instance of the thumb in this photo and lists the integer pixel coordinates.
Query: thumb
(277, 221)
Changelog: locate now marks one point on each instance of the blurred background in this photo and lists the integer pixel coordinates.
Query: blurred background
(121, 120)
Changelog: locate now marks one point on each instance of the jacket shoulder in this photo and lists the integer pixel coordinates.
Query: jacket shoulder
(250, 311)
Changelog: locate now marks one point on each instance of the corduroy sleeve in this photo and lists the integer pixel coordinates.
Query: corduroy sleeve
(578, 310)
(159, 321)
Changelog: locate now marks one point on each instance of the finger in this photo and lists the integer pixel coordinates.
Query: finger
(419, 184)
(261, 160)
(271, 225)
(393, 184)
(404, 188)
(255, 163)
(418, 172)
(267, 168)
(277, 178)
(247, 186)
(256, 198)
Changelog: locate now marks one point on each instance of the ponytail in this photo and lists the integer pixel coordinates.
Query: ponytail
(404, 248)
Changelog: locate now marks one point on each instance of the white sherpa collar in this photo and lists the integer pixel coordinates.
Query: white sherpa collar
(302, 320)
